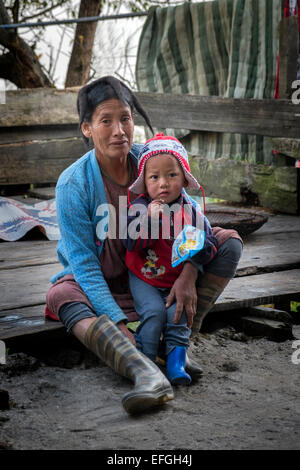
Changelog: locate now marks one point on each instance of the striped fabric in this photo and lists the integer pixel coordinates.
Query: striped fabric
(17, 218)
(222, 48)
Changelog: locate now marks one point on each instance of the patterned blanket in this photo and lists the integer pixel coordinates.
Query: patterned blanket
(222, 48)
(17, 218)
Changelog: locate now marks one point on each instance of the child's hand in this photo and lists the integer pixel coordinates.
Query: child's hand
(155, 208)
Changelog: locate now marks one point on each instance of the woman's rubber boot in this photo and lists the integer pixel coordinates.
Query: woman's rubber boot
(208, 289)
(176, 367)
(151, 388)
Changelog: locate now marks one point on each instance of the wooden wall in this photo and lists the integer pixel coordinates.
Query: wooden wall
(39, 138)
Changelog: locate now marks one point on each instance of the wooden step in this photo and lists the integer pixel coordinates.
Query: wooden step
(23, 287)
(261, 253)
(27, 253)
(243, 292)
(265, 327)
(31, 285)
(19, 322)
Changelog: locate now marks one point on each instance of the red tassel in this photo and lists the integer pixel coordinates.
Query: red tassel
(203, 198)
(286, 11)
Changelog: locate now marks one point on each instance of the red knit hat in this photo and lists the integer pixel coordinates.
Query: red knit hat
(163, 144)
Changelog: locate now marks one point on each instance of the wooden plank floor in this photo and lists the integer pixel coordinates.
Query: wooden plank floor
(268, 271)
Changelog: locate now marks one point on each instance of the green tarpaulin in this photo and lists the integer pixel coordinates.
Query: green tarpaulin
(221, 48)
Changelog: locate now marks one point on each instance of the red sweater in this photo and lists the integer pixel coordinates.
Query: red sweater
(150, 258)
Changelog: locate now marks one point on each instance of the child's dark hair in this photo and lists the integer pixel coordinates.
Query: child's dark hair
(103, 89)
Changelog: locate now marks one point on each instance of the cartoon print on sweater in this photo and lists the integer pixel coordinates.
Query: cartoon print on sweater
(150, 270)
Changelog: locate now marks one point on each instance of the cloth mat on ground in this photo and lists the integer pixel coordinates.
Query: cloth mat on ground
(17, 218)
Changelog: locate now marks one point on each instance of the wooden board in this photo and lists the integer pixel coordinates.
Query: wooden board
(9, 135)
(22, 287)
(24, 321)
(26, 268)
(38, 162)
(265, 253)
(278, 224)
(275, 246)
(269, 117)
(260, 289)
(30, 253)
(240, 293)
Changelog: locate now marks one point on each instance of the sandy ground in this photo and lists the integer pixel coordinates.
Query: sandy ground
(64, 398)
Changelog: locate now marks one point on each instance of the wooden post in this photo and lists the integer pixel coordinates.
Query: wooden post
(288, 55)
(288, 64)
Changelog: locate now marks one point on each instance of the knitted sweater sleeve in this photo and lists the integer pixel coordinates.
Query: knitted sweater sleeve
(79, 243)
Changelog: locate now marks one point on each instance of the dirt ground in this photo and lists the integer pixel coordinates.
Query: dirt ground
(61, 397)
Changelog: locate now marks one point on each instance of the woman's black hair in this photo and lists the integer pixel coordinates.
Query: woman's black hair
(103, 89)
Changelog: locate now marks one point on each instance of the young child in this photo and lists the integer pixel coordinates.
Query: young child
(163, 173)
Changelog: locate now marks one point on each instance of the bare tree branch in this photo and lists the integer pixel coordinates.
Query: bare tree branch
(43, 12)
(24, 67)
(15, 11)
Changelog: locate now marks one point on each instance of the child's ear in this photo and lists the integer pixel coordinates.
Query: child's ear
(186, 183)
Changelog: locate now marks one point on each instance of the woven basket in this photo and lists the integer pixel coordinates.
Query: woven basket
(243, 221)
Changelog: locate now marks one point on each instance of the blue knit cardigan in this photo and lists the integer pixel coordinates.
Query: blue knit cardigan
(79, 192)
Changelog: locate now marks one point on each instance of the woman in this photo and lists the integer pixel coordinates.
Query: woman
(91, 296)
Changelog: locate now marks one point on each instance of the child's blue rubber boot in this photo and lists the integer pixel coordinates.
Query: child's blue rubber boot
(175, 370)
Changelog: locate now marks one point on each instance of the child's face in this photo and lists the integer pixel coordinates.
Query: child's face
(164, 178)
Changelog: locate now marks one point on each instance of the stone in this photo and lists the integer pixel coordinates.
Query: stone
(248, 183)
(230, 366)
(290, 147)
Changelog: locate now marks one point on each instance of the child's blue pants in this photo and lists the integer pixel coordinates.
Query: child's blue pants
(156, 319)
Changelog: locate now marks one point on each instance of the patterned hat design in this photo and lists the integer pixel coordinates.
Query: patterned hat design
(163, 144)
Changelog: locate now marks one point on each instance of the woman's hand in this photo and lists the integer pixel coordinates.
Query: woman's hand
(185, 294)
(121, 325)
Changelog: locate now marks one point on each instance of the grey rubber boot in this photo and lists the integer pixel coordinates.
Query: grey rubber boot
(151, 387)
(193, 368)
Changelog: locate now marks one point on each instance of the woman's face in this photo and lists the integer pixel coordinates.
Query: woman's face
(111, 129)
